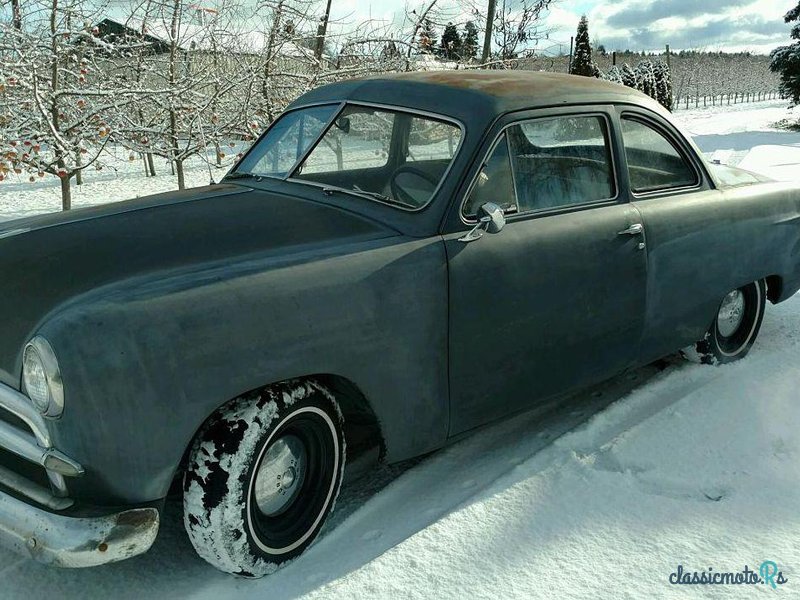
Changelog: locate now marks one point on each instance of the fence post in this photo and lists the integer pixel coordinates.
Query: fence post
(569, 64)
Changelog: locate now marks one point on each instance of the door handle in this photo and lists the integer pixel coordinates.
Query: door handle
(635, 229)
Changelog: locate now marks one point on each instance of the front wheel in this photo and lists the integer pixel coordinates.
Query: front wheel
(263, 475)
(734, 328)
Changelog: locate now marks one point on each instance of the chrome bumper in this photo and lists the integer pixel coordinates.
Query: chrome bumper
(63, 541)
(51, 538)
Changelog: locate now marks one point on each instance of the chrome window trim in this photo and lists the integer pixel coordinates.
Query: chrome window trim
(394, 108)
(674, 141)
(567, 208)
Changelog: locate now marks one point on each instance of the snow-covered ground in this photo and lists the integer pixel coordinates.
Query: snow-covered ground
(603, 496)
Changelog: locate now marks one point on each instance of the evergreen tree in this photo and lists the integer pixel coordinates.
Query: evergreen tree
(427, 37)
(785, 60)
(663, 85)
(451, 43)
(628, 76)
(469, 42)
(582, 60)
(390, 52)
(646, 78)
(614, 75)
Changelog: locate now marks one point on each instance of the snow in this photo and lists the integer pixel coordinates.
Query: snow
(746, 135)
(602, 496)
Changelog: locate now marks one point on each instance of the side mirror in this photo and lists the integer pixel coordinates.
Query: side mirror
(490, 219)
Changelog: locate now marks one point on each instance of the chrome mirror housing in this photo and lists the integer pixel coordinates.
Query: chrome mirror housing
(490, 219)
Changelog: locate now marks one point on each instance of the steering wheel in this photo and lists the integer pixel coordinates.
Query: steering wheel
(404, 196)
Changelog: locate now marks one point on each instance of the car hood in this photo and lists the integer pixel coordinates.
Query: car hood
(48, 260)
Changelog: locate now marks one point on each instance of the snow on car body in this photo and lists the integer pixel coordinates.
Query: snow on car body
(340, 289)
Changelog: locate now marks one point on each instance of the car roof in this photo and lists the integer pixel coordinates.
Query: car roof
(472, 94)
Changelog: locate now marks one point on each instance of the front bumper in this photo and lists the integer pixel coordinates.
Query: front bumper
(63, 541)
(39, 473)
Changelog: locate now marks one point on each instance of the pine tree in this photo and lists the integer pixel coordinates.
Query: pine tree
(469, 42)
(582, 60)
(390, 50)
(663, 84)
(427, 37)
(451, 43)
(614, 74)
(629, 76)
(645, 78)
(785, 60)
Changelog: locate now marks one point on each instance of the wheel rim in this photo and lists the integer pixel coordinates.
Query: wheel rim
(280, 476)
(731, 313)
(307, 441)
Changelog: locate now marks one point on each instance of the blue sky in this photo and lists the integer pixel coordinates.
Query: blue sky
(636, 24)
(733, 25)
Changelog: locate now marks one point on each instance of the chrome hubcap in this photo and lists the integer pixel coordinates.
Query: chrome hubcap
(731, 313)
(280, 475)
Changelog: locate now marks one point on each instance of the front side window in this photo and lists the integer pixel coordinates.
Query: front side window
(654, 163)
(561, 161)
(546, 163)
(495, 182)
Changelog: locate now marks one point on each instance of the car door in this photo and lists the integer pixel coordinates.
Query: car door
(693, 247)
(556, 299)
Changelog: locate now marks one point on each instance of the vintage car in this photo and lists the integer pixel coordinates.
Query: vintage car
(396, 262)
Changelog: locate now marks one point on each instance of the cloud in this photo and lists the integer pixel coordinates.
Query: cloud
(636, 16)
(717, 32)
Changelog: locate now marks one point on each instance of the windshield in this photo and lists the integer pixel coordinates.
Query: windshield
(391, 156)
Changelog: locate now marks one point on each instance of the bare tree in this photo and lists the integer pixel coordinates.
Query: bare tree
(64, 88)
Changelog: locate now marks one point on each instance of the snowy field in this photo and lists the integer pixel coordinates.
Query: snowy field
(604, 496)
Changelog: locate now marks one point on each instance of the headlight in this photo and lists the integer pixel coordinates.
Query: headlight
(41, 377)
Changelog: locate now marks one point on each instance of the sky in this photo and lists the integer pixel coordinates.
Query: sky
(733, 25)
(730, 25)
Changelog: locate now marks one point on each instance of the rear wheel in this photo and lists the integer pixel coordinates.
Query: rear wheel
(263, 475)
(734, 328)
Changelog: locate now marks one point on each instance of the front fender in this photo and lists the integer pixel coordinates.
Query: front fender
(147, 360)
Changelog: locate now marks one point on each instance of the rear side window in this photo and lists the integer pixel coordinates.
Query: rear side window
(654, 163)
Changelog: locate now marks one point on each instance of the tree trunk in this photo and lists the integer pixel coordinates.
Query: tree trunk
(66, 193)
(179, 171)
(79, 171)
(322, 31)
(487, 38)
(16, 15)
(150, 164)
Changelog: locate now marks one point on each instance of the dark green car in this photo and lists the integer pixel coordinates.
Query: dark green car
(397, 261)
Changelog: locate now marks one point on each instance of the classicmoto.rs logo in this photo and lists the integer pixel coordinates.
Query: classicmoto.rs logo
(767, 574)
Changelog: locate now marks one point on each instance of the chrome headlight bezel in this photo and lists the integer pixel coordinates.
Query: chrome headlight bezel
(40, 350)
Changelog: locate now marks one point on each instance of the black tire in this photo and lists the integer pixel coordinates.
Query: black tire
(244, 513)
(732, 333)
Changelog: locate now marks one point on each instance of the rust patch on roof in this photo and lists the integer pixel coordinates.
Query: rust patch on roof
(515, 83)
